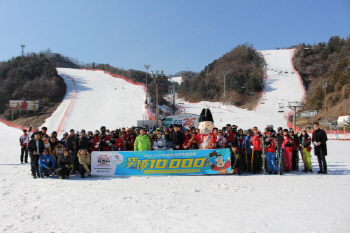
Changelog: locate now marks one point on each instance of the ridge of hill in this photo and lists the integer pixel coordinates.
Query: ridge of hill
(325, 63)
(243, 69)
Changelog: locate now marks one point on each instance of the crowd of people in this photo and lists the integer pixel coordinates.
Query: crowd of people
(72, 153)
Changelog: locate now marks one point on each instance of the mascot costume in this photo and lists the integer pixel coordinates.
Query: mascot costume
(206, 139)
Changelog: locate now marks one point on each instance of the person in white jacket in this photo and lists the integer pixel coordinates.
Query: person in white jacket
(23, 140)
(159, 143)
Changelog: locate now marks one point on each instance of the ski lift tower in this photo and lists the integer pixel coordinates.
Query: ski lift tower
(23, 45)
(294, 105)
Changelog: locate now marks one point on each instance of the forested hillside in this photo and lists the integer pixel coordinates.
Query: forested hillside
(324, 63)
(31, 77)
(243, 67)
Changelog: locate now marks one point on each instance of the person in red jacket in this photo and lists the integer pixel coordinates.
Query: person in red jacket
(230, 137)
(187, 138)
(287, 150)
(270, 152)
(256, 151)
(130, 142)
(95, 141)
(121, 142)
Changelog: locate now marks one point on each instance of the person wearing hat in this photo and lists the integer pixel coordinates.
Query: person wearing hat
(159, 143)
(23, 141)
(287, 150)
(206, 139)
(142, 142)
(35, 148)
(270, 152)
(64, 139)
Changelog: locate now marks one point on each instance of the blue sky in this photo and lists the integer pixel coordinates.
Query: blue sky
(168, 35)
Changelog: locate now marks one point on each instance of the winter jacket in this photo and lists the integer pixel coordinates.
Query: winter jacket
(130, 143)
(220, 142)
(270, 145)
(168, 140)
(94, 143)
(84, 143)
(85, 160)
(142, 143)
(159, 144)
(120, 144)
(63, 161)
(104, 142)
(46, 161)
(320, 136)
(246, 144)
(231, 138)
(178, 139)
(185, 144)
(32, 146)
(192, 143)
(71, 143)
(305, 141)
(24, 139)
(256, 142)
(240, 140)
(287, 144)
(295, 142)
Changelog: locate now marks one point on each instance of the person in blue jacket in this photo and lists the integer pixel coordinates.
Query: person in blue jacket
(46, 164)
(247, 150)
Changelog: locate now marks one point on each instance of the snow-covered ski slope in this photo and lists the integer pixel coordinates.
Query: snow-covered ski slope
(293, 202)
(278, 86)
(100, 99)
(176, 80)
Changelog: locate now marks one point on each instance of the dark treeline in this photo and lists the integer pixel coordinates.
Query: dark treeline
(31, 77)
(324, 63)
(244, 77)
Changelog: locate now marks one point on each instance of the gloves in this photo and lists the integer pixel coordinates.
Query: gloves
(109, 144)
(267, 139)
(96, 146)
(252, 147)
(108, 141)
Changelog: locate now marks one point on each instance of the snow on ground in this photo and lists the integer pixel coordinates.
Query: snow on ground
(100, 100)
(176, 80)
(293, 202)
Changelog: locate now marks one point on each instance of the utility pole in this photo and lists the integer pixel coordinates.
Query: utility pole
(325, 95)
(294, 105)
(224, 72)
(146, 66)
(23, 45)
(157, 76)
